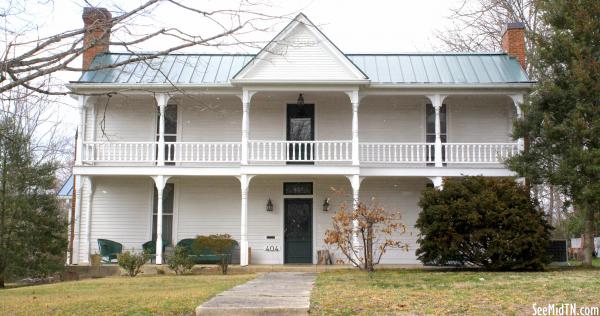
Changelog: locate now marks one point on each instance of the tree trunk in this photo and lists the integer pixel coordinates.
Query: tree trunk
(588, 236)
(369, 246)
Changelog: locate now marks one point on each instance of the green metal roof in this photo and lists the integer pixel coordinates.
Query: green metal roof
(414, 68)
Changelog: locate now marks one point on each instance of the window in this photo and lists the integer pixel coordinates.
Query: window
(170, 130)
(298, 188)
(430, 127)
(167, 224)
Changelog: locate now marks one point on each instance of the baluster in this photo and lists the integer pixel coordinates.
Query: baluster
(305, 151)
(348, 152)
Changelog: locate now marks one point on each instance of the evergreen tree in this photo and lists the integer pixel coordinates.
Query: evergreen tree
(562, 117)
(482, 221)
(32, 230)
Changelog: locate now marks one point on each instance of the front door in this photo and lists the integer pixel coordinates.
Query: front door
(300, 131)
(298, 231)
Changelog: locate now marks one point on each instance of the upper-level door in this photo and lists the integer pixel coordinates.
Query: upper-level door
(300, 132)
(170, 132)
(430, 129)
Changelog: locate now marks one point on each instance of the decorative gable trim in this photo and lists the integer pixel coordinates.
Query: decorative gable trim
(356, 74)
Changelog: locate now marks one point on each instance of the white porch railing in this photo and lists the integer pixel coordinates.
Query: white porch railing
(479, 153)
(300, 151)
(209, 152)
(297, 151)
(119, 152)
(396, 152)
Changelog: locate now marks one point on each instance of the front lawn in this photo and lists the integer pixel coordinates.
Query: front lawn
(143, 295)
(440, 293)
(595, 262)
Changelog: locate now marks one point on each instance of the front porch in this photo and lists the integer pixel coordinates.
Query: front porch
(130, 211)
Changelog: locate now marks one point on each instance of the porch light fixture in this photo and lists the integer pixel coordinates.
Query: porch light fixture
(269, 205)
(300, 101)
(326, 205)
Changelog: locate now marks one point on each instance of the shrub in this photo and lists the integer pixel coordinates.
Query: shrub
(132, 262)
(486, 222)
(220, 244)
(377, 231)
(180, 261)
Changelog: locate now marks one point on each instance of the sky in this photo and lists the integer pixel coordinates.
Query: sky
(355, 26)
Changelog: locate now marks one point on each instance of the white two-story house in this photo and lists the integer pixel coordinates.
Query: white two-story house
(251, 145)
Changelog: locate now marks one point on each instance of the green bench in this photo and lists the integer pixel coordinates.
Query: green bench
(205, 256)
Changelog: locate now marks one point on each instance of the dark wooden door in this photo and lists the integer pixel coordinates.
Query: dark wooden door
(298, 231)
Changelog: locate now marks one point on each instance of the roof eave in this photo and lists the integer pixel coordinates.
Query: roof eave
(239, 82)
(83, 87)
(504, 85)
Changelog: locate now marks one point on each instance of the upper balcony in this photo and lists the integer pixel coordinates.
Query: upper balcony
(207, 131)
(284, 152)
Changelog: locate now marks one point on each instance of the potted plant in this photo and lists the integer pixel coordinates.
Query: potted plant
(95, 259)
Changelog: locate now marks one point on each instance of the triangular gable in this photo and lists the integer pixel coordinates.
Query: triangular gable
(300, 53)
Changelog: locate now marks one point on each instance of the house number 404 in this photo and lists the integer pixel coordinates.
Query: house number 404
(272, 248)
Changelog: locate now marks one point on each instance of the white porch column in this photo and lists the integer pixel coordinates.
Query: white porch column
(81, 129)
(93, 134)
(77, 222)
(246, 98)
(518, 100)
(355, 181)
(438, 182)
(436, 102)
(161, 101)
(244, 184)
(160, 182)
(88, 221)
(355, 100)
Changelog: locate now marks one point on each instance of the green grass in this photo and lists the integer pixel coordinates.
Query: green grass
(456, 292)
(595, 262)
(143, 295)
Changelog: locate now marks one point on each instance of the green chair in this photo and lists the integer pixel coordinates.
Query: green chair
(149, 248)
(204, 256)
(109, 250)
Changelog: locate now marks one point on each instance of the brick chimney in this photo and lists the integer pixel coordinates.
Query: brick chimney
(513, 41)
(97, 24)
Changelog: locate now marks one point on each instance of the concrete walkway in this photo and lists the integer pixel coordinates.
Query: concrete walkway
(273, 293)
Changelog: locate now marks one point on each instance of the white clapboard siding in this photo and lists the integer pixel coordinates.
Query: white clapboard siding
(121, 210)
(208, 205)
(300, 56)
(125, 119)
(384, 119)
(479, 119)
(398, 194)
(210, 119)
